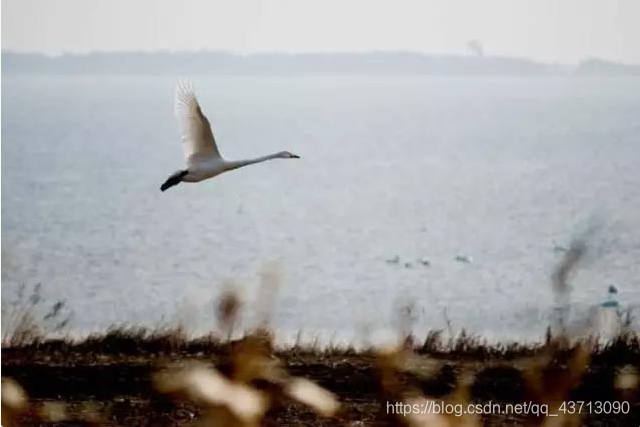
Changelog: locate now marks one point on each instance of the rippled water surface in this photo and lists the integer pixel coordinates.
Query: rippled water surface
(499, 170)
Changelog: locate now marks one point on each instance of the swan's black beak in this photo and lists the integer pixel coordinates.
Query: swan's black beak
(295, 156)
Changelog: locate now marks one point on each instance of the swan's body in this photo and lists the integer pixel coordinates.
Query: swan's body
(203, 160)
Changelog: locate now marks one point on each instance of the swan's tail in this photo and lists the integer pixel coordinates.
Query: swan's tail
(174, 179)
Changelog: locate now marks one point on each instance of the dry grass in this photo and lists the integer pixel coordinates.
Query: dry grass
(268, 384)
(29, 320)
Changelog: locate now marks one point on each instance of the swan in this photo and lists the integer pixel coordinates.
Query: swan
(203, 160)
(464, 258)
(424, 262)
(559, 248)
(394, 260)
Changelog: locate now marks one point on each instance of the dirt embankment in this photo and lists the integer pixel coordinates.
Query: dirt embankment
(111, 381)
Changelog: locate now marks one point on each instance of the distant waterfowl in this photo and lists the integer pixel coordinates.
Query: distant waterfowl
(394, 260)
(558, 248)
(611, 297)
(203, 160)
(464, 258)
(424, 262)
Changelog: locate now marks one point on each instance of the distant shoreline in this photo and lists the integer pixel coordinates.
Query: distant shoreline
(280, 64)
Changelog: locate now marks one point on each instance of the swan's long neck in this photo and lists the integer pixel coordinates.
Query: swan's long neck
(235, 164)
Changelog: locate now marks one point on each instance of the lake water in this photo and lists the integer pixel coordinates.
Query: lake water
(499, 170)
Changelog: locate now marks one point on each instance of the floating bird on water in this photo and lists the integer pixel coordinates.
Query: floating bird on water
(424, 262)
(464, 258)
(200, 150)
(611, 297)
(394, 260)
(559, 248)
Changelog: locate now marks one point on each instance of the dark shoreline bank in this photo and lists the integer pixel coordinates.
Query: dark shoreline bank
(112, 376)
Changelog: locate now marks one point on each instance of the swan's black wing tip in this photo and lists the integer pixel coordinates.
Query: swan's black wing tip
(174, 179)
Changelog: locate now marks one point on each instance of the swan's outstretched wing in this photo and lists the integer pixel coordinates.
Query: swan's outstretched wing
(195, 130)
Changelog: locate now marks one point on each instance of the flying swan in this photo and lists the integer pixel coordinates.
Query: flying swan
(200, 150)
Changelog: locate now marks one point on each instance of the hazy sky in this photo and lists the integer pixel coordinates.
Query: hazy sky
(549, 30)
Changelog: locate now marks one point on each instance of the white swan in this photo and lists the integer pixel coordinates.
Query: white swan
(200, 151)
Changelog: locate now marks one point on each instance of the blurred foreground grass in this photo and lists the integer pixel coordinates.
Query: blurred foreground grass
(132, 376)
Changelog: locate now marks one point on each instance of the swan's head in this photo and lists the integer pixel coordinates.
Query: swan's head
(287, 155)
